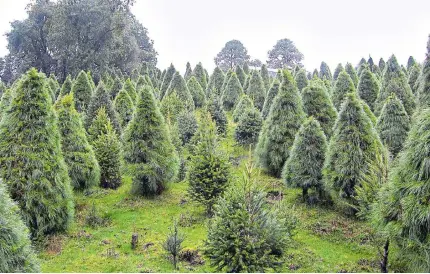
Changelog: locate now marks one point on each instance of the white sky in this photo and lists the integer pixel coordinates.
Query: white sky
(332, 30)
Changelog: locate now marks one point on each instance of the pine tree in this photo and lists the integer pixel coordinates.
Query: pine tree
(66, 87)
(423, 93)
(38, 181)
(107, 149)
(381, 64)
(216, 82)
(179, 85)
(5, 102)
(393, 125)
(16, 252)
(411, 62)
(188, 71)
(352, 73)
(342, 87)
(369, 112)
(315, 73)
(187, 126)
(131, 90)
(141, 82)
(271, 94)
(395, 81)
(352, 151)
(232, 92)
(371, 63)
(148, 148)
(256, 90)
(301, 80)
(167, 78)
(208, 173)
(368, 88)
(275, 141)
(200, 75)
(303, 168)
(265, 76)
(117, 85)
(402, 209)
(124, 106)
(214, 107)
(337, 71)
(414, 73)
(101, 98)
(246, 234)
(240, 74)
(171, 106)
(317, 104)
(90, 79)
(325, 72)
(83, 167)
(53, 84)
(224, 84)
(197, 92)
(243, 104)
(249, 126)
(82, 91)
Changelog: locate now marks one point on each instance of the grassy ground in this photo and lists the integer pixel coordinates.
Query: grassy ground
(324, 240)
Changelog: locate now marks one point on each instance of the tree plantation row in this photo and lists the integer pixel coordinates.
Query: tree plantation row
(355, 141)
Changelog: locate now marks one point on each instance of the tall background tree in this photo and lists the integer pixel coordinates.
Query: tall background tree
(65, 37)
(234, 53)
(284, 55)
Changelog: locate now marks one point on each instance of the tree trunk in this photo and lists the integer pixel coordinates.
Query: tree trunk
(134, 240)
(384, 260)
(305, 194)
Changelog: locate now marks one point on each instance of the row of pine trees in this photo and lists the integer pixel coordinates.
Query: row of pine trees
(355, 139)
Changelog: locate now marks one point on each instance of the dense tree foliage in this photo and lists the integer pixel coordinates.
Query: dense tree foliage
(240, 75)
(217, 112)
(395, 81)
(244, 103)
(84, 171)
(256, 90)
(16, 252)
(317, 104)
(82, 91)
(271, 94)
(99, 99)
(107, 148)
(208, 173)
(233, 54)
(65, 37)
(248, 127)
(285, 118)
(337, 71)
(284, 55)
(216, 82)
(423, 94)
(325, 72)
(352, 73)
(200, 74)
(196, 91)
(303, 169)
(402, 209)
(232, 92)
(148, 148)
(179, 86)
(352, 151)
(167, 78)
(123, 105)
(342, 87)
(301, 79)
(246, 234)
(31, 162)
(368, 88)
(393, 124)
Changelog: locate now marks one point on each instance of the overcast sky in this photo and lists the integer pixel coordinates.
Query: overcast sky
(332, 30)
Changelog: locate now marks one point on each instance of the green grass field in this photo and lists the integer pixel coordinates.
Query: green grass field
(324, 240)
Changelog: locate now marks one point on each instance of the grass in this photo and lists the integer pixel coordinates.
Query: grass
(324, 240)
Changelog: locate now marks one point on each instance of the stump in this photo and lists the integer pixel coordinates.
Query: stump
(134, 240)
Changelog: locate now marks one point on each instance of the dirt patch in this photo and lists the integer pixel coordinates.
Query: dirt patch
(54, 244)
(191, 256)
